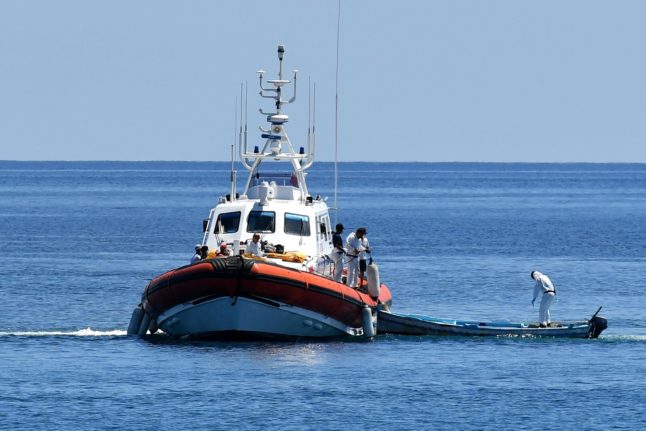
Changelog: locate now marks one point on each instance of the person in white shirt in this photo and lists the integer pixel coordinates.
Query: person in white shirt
(355, 246)
(197, 256)
(546, 289)
(254, 248)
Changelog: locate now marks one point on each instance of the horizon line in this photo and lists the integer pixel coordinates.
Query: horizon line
(321, 161)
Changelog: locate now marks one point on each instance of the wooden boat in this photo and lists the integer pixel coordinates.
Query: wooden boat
(413, 324)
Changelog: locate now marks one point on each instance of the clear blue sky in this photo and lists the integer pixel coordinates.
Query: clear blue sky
(548, 81)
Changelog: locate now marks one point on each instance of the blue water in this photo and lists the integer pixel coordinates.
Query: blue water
(79, 241)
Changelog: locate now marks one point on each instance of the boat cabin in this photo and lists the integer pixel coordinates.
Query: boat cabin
(274, 208)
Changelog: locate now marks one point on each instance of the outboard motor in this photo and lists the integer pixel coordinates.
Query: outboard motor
(598, 325)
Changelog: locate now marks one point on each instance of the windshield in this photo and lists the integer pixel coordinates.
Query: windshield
(261, 221)
(227, 223)
(296, 224)
(280, 178)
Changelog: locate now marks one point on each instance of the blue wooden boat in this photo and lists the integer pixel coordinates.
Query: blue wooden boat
(414, 324)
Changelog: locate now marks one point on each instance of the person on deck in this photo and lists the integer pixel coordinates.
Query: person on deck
(204, 251)
(546, 289)
(197, 256)
(223, 251)
(254, 247)
(354, 246)
(363, 257)
(337, 253)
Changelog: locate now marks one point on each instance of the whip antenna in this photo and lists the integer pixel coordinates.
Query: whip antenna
(336, 118)
(233, 171)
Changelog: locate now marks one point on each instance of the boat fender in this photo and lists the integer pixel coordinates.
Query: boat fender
(145, 322)
(374, 282)
(368, 322)
(135, 320)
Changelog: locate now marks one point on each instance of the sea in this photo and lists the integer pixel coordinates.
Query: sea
(80, 240)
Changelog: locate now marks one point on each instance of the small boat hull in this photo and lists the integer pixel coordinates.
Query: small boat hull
(237, 297)
(393, 323)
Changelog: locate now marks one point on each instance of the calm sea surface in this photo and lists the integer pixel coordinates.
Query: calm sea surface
(79, 241)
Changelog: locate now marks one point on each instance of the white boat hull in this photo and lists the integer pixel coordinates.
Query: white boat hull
(227, 317)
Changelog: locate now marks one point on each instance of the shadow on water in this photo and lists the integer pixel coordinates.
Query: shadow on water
(251, 341)
(162, 339)
(89, 334)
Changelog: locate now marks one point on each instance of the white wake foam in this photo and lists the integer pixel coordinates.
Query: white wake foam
(87, 332)
(615, 337)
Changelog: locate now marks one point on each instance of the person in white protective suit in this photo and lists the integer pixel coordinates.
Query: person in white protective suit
(546, 289)
(355, 246)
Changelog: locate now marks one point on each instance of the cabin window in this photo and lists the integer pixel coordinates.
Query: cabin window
(227, 223)
(296, 224)
(328, 228)
(323, 222)
(261, 222)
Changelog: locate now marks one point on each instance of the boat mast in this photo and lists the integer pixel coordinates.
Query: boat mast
(277, 145)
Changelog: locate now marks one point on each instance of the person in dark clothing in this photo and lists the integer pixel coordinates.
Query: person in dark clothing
(338, 252)
(204, 252)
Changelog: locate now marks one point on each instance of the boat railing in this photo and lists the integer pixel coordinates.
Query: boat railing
(321, 265)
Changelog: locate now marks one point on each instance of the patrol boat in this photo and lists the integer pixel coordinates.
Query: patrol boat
(290, 291)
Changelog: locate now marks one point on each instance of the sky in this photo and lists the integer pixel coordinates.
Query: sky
(419, 80)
